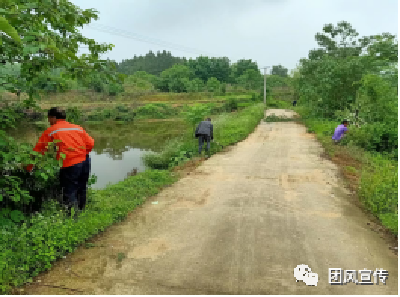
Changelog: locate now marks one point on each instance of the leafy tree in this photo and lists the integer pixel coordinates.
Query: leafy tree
(204, 68)
(327, 79)
(143, 75)
(383, 47)
(9, 30)
(50, 40)
(251, 79)
(100, 81)
(341, 41)
(195, 85)
(240, 67)
(279, 70)
(354, 79)
(140, 80)
(337, 41)
(277, 81)
(175, 79)
(150, 63)
(213, 85)
(53, 83)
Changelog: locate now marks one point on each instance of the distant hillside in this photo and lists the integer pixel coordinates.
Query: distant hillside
(151, 63)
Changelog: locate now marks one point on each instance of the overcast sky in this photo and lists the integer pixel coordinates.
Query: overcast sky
(270, 32)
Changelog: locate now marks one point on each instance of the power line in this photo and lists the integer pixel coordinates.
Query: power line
(130, 35)
(148, 39)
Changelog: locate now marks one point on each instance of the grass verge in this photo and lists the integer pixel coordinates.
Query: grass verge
(32, 247)
(228, 129)
(372, 177)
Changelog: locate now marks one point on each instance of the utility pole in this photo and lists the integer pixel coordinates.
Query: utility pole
(265, 86)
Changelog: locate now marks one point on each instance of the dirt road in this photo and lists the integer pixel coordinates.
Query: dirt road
(239, 224)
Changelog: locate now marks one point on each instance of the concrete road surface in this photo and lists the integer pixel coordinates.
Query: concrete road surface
(239, 224)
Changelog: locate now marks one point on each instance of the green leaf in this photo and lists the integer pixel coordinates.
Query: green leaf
(9, 30)
(30, 50)
(16, 216)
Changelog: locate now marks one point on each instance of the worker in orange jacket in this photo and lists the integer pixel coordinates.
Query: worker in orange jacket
(76, 144)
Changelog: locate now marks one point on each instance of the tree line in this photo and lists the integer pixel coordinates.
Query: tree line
(196, 75)
(162, 72)
(355, 78)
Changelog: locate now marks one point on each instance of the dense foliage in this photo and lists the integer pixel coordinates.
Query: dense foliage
(151, 63)
(197, 75)
(32, 63)
(279, 70)
(356, 80)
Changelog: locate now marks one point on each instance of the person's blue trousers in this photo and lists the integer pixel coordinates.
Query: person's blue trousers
(204, 138)
(73, 181)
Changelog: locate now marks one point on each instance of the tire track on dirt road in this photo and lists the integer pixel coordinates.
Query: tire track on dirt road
(238, 224)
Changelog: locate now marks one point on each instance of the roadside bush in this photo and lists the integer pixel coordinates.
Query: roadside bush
(379, 190)
(231, 105)
(378, 137)
(10, 113)
(378, 187)
(156, 111)
(22, 192)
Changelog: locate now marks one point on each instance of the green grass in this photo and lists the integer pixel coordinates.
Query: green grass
(31, 248)
(377, 176)
(278, 104)
(228, 129)
(379, 190)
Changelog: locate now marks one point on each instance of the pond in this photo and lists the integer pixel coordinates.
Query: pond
(119, 146)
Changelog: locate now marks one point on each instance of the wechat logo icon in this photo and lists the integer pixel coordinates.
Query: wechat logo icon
(303, 273)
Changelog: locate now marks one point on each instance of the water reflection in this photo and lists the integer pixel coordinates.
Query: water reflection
(110, 169)
(118, 147)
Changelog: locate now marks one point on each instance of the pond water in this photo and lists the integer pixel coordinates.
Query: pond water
(109, 169)
(119, 147)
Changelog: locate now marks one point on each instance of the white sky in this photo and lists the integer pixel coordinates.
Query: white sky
(270, 32)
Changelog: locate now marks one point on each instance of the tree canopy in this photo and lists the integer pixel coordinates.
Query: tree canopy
(349, 76)
(279, 70)
(49, 40)
(150, 63)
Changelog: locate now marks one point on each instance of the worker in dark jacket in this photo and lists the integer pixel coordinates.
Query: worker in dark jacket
(76, 145)
(204, 132)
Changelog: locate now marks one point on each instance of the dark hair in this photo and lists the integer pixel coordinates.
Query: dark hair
(209, 119)
(345, 121)
(57, 112)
